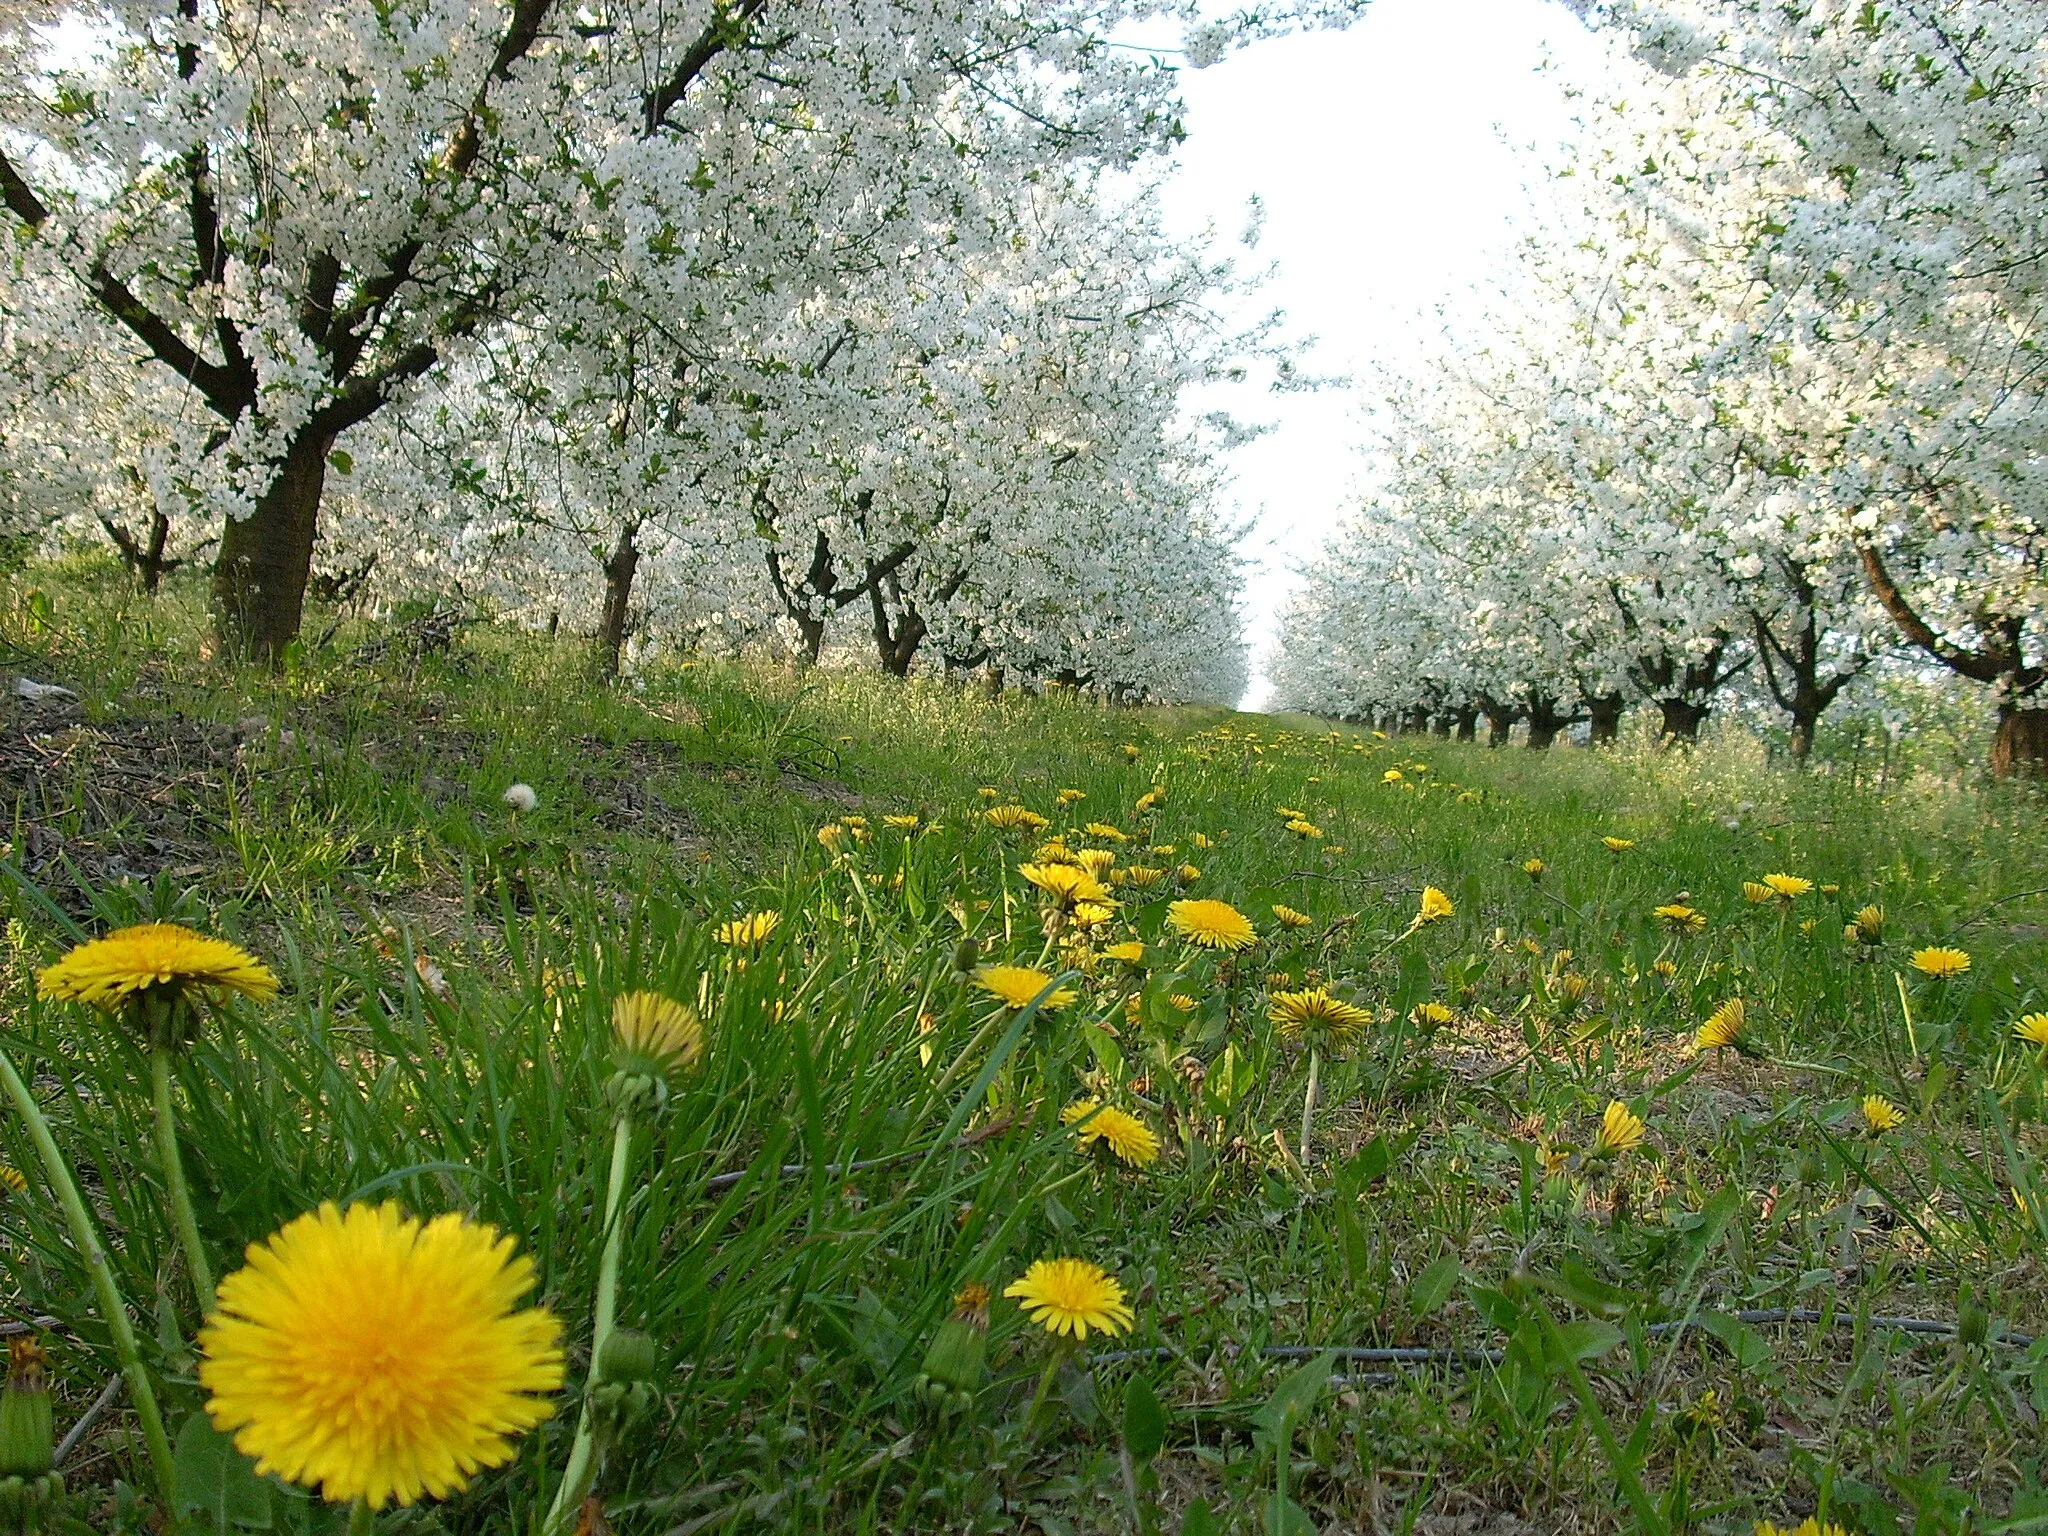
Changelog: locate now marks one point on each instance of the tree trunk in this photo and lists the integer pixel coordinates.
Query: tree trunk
(1545, 721)
(1440, 726)
(1802, 737)
(1683, 719)
(266, 558)
(1604, 710)
(618, 596)
(1416, 721)
(146, 558)
(1500, 722)
(2020, 749)
(895, 644)
(1468, 723)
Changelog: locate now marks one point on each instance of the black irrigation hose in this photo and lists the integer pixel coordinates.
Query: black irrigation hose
(1362, 1354)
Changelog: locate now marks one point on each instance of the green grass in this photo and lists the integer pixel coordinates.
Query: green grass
(444, 1040)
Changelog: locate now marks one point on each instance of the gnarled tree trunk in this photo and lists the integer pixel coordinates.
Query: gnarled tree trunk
(1467, 722)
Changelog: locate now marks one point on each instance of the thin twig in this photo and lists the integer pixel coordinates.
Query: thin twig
(1366, 1354)
(77, 1433)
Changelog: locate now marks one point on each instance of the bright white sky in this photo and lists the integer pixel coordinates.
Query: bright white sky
(1382, 157)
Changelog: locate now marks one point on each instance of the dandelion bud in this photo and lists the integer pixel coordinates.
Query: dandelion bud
(956, 1363)
(628, 1355)
(1973, 1323)
(28, 1446)
(966, 955)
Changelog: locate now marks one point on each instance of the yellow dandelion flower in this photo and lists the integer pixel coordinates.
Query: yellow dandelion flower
(1535, 869)
(1941, 962)
(1055, 852)
(1880, 1114)
(1130, 952)
(1202, 840)
(1621, 1130)
(1013, 818)
(1015, 985)
(1069, 796)
(830, 836)
(1867, 927)
(1106, 832)
(1130, 752)
(1392, 776)
(1065, 885)
(1664, 968)
(1617, 844)
(1211, 924)
(1162, 850)
(1288, 917)
(13, 1180)
(1153, 796)
(1756, 891)
(1070, 1297)
(1428, 1016)
(987, 793)
(1810, 1526)
(1096, 861)
(1143, 875)
(1186, 1002)
(1435, 905)
(1680, 918)
(1092, 914)
(107, 972)
(1131, 1139)
(378, 1357)
(1305, 830)
(1724, 1026)
(1189, 873)
(2033, 1029)
(656, 1034)
(1289, 813)
(1787, 887)
(901, 823)
(1315, 1018)
(751, 929)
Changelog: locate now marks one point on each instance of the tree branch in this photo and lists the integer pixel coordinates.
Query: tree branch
(727, 29)
(1977, 665)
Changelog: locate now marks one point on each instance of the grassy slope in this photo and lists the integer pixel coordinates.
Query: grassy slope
(450, 968)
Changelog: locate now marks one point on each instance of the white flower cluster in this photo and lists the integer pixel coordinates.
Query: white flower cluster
(725, 320)
(1766, 406)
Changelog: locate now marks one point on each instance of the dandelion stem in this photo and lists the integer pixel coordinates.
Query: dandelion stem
(582, 1470)
(360, 1519)
(1308, 1100)
(85, 1238)
(1044, 1387)
(175, 1188)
